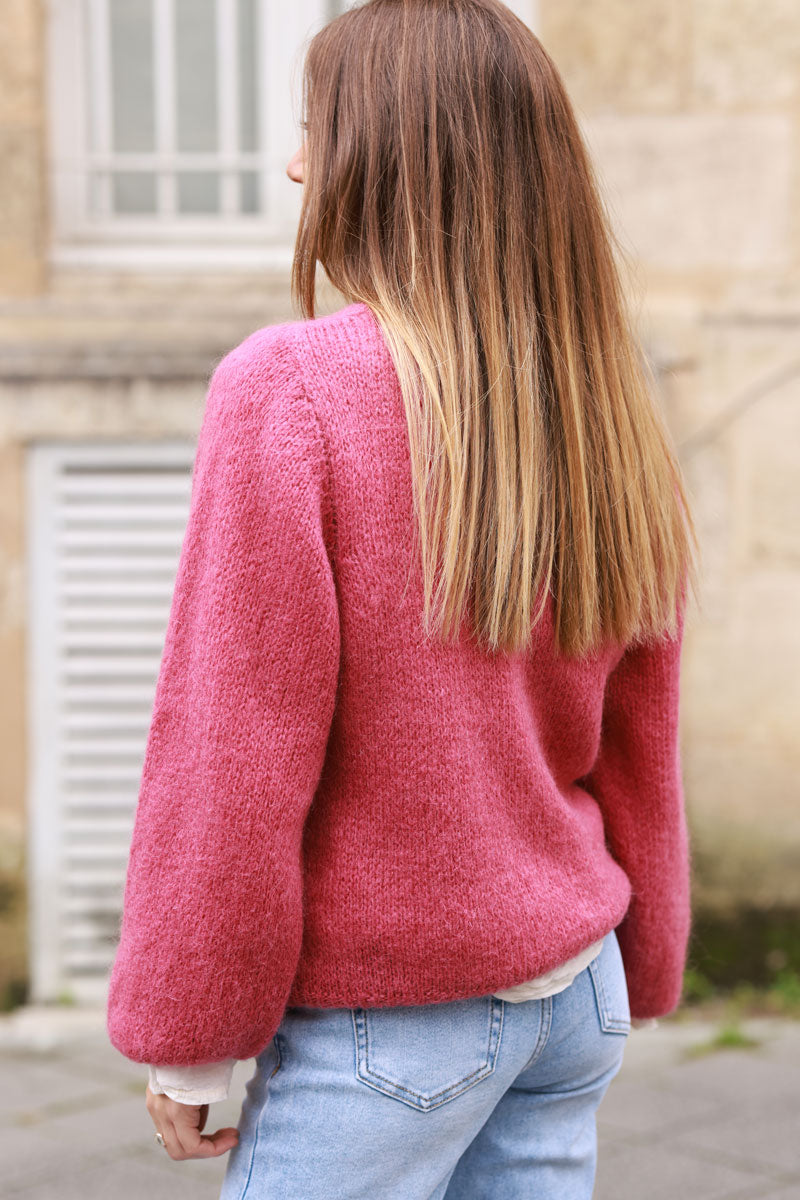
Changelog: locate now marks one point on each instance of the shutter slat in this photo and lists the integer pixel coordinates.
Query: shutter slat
(102, 879)
(112, 854)
(72, 642)
(117, 509)
(85, 828)
(114, 668)
(100, 592)
(89, 962)
(100, 804)
(151, 482)
(149, 543)
(130, 722)
(108, 698)
(111, 776)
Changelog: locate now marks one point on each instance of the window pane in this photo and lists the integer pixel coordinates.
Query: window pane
(248, 90)
(132, 84)
(249, 191)
(133, 192)
(196, 74)
(198, 192)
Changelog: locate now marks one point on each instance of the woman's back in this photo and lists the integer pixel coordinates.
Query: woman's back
(395, 819)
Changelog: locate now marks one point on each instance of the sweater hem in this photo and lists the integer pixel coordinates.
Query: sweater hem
(307, 996)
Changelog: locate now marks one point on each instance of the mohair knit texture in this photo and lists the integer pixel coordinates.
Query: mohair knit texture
(335, 810)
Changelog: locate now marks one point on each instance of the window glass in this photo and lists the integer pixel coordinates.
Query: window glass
(198, 191)
(249, 184)
(248, 89)
(130, 28)
(133, 192)
(196, 74)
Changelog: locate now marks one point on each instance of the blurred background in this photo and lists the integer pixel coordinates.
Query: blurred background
(147, 226)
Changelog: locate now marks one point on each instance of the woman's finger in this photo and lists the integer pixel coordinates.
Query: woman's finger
(180, 1125)
(192, 1143)
(160, 1118)
(172, 1144)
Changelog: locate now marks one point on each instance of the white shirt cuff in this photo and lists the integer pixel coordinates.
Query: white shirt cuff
(204, 1083)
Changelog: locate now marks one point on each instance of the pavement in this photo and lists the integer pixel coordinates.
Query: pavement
(674, 1124)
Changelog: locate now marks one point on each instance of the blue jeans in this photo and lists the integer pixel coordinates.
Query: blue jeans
(464, 1100)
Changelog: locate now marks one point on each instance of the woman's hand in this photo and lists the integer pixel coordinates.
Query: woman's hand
(180, 1126)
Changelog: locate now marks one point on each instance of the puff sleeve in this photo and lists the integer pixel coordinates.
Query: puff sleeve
(637, 781)
(211, 925)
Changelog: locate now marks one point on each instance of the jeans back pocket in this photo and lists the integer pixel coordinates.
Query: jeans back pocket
(610, 987)
(427, 1054)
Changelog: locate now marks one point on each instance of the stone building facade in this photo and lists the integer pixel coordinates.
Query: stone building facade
(119, 294)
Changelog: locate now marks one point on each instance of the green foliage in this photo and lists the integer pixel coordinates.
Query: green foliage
(696, 985)
(784, 995)
(749, 959)
(9, 895)
(729, 1036)
(13, 993)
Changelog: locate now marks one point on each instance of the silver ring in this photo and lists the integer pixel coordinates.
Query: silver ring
(159, 1138)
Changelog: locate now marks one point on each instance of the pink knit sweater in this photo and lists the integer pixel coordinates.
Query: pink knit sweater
(336, 811)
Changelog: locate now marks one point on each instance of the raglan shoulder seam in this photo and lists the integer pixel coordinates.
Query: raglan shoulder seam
(329, 513)
(250, 358)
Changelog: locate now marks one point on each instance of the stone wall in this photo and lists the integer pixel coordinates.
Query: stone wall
(23, 215)
(692, 111)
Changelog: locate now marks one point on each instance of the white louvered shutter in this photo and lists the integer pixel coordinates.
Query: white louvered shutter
(106, 524)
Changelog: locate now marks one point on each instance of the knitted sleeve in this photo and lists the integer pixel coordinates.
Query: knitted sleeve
(637, 781)
(211, 924)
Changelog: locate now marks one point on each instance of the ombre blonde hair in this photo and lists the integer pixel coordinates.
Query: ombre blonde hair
(447, 186)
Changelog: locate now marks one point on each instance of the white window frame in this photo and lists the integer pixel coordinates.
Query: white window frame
(239, 241)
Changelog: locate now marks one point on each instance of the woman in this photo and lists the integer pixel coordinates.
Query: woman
(411, 829)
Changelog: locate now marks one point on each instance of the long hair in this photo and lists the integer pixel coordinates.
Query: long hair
(447, 186)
